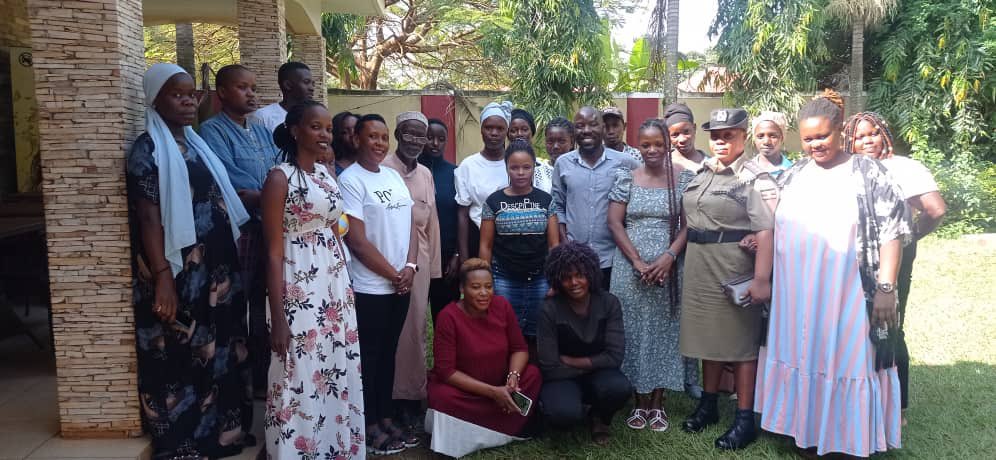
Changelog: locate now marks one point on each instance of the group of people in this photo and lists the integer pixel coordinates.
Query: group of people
(288, 254)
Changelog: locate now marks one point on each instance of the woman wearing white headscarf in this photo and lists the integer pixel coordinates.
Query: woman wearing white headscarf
(190, 314)
(479, 175)
(768, 130)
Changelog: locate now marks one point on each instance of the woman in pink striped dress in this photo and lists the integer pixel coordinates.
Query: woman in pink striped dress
(828, 376)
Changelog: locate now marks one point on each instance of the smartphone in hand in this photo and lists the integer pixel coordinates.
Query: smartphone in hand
(523, 402)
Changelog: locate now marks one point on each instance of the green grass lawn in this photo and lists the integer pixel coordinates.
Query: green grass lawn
(951, 331)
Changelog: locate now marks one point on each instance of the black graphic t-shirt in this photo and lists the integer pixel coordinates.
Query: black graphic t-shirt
(520, 244)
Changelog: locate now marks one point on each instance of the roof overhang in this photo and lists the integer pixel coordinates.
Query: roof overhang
(302, 16)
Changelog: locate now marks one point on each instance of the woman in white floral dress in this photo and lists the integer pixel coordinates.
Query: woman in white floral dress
(314, 404)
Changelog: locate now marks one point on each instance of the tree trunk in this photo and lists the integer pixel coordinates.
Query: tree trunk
(185, 47)
(856, 83)
(671, 57)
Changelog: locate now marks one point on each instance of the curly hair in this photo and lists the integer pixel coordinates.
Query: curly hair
(472, 265)
(876, 120)
(569, 257)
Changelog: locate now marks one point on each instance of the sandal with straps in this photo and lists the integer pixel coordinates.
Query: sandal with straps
(658, 420)
(388, 444)
(637, 419)
(407, 437)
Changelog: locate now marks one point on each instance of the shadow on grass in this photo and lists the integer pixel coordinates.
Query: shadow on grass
(952, 415)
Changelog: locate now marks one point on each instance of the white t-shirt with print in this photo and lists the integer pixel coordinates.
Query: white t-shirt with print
(381, 200)
(476, 179)
(270, 116)
(912, 176)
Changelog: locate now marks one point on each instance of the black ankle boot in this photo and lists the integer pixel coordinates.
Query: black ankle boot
(741, 433)
(705, 414)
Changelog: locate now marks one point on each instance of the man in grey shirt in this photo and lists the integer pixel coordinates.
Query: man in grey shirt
(582, 179)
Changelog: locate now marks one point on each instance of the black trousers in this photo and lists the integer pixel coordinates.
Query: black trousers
(473, 240)
(379, 319)
(606, 278)
(441, 293)
(903, 292)
(606, 390)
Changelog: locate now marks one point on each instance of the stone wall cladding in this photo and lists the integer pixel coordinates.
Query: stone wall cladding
(310, 49)
(88, 58)
(263, 44)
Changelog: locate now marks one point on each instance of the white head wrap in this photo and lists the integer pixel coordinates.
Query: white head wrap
(175, 201)
(777, 118)
(495, 109)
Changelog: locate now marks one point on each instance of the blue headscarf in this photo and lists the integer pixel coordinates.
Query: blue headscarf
(175, 201)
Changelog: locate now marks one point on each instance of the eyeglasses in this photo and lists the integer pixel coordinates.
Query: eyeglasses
(414, 140)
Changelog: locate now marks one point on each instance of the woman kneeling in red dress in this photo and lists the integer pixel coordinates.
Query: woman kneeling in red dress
(480, 362)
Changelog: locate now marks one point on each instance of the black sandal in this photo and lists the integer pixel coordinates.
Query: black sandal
(388, 444)
(601, 434)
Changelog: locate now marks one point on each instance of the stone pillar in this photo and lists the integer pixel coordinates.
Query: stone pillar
(88, 67)
(310, 49)
(263, 43)
(185, 47)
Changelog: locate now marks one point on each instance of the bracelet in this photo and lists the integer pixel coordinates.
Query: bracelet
(515, 373)
(671, 253)
(161, 270)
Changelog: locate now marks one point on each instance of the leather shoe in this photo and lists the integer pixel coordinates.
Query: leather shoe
(705, 414)
(741, 433)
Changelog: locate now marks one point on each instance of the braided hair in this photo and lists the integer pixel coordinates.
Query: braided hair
(875, 120)
(674, 223)
(570, 257)
(285, 142)
(562, 123)
(517, 146)
(823, 107)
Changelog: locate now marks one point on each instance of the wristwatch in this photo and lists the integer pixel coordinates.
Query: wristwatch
(412, 266)
(886, 288)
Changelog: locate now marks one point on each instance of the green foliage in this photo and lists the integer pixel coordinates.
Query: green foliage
(936, 82)
(778, 50)
(932, 69)
(214, 45)
(338, 30)
(635, 76)
(557, 50)
(937, 76)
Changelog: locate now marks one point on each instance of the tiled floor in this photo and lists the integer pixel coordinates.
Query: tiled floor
(29, 411)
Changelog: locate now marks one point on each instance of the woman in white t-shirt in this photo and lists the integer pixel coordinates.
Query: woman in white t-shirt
(384, 250)
(867, 133)
(480, 175)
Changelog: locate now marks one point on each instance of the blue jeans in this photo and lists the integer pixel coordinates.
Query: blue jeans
(526, 297)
